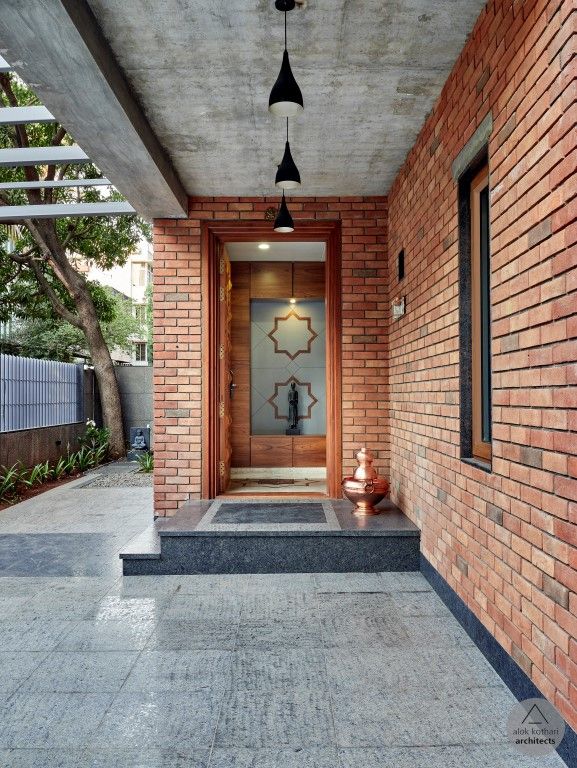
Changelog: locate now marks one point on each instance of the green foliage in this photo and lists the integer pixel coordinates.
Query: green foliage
(145, 462)
(46, 336)
(59, 469)
(18, 479)
(9, 480)
(102, 241)
(85, 458)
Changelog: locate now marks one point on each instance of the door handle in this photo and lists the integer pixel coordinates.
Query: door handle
(231, 385)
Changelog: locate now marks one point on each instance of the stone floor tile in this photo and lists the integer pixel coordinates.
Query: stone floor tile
(405, 582)
(126, 635)
(261, 670)
(16, 667)
(32, 635)
(117, 608)
(349, 582)
(295, 717)
(280, 582)
(283, 606)
(193, 635)
(308, 757)
(341, 629)
(435, 632)
(204, 607)
(40, 720)
(164, 670)
(159, 719)
(43, 758)
(149, 758)
(420, 604)
(403, 757)
(506, 756)
(277, 633)
(78, 672)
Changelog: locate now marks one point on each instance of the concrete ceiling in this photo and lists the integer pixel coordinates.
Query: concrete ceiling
(277, 251)
(369, 70)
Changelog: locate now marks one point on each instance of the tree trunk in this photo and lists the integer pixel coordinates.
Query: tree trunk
(104, 371)
(86, 319)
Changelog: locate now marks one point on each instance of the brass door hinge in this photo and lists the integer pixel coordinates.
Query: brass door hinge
(221, 293)
(221, 266)
(221, 468)
(221, 409)
(221, 352)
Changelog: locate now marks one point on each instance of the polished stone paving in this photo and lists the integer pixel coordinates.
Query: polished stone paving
(364, 670)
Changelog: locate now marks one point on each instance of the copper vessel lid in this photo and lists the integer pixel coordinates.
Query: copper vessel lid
(365, 470)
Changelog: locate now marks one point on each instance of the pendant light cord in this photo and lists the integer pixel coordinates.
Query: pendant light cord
(285, 30)
(287, 130)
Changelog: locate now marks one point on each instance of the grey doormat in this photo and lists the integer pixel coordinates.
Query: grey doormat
(250, 515)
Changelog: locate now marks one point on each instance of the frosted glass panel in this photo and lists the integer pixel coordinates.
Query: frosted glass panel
(287, 344)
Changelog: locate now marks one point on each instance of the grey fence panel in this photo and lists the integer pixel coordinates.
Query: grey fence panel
(39, 393)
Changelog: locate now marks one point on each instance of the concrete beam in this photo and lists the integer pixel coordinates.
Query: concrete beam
(4, 66)
(21, 115)
(14, 158)
(57, 47)
(16, 213)
(55, 183)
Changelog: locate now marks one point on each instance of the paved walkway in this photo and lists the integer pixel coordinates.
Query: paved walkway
(284, 671)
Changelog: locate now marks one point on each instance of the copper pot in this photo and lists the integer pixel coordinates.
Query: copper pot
(365, 488)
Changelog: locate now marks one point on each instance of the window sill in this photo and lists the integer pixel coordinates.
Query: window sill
(478, 463)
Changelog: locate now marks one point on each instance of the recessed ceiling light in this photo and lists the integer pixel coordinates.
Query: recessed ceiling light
(264, 246)
(292, 301)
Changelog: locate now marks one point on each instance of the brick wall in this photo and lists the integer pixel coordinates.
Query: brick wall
(178, 343)
(505, 541)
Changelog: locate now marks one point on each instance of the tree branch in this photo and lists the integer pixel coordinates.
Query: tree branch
(52, 297)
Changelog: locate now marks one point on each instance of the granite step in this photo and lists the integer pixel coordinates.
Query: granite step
(272, 536)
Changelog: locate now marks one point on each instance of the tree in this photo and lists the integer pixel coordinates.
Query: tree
(46, 336)
(42, 263)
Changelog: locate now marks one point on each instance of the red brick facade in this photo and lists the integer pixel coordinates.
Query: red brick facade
(506, 542)
(178, 345)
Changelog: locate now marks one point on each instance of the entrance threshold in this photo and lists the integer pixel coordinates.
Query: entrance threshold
(284, 536)
(263, 482)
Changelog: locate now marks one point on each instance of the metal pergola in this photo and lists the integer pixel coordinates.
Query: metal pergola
(22, 157)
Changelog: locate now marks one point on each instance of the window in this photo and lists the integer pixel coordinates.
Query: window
(475, 301)
(140, 313)
(139, 273)
(401, 265)
(140, 351)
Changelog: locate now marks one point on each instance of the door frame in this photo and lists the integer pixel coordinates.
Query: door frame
(213, 232)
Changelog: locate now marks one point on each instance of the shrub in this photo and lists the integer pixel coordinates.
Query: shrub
(9, 482)
(59, 469)
(85, 458)
(145, 462)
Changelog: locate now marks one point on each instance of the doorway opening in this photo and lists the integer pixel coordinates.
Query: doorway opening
(278, 368)
(272, 369)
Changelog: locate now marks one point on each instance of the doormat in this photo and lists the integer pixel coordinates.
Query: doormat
(269, 515)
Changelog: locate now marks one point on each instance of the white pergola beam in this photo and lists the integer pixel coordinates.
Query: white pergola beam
(21, 156)
(58, 47)
(56, 183)
(22, 115)
(15, 213)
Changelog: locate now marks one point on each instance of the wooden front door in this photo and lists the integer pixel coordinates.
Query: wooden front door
(225, 377)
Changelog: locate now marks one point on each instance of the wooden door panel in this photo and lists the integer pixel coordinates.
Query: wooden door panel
(309, 451)
(225, 415)
(271, 280)
(271, 451)
(240, 363)
(309, 280)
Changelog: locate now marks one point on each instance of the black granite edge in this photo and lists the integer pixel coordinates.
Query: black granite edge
(384, 533)
(139, 555)
(506, 667)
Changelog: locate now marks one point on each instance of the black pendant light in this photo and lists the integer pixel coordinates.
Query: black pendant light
(287, 175)
(286, 99)
(284, 221)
